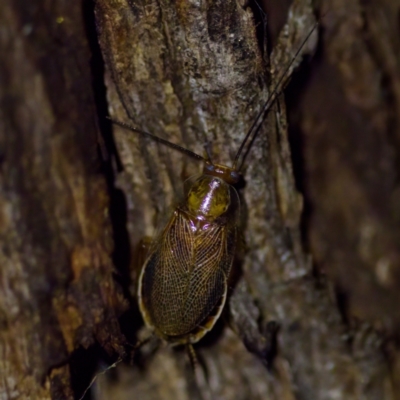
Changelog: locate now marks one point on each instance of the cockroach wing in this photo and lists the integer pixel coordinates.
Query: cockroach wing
(185, 276)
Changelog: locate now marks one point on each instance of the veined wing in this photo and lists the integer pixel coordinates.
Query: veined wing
(185, 275)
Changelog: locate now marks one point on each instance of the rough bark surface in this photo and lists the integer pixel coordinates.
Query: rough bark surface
(350, 148)
(56, 287)
(196, 72)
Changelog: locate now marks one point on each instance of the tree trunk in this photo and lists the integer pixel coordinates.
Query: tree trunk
(312, 310)
(57, 290)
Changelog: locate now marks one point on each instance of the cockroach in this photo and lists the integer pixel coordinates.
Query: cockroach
(183, 284)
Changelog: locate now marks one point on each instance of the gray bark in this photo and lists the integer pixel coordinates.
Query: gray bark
(198, 72)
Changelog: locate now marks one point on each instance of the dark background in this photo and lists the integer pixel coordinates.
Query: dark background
(324, 265)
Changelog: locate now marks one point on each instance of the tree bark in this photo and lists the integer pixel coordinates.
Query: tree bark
(196, 73)
(57, 290)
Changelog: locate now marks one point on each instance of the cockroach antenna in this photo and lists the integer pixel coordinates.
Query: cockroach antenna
(271, 99)
(158, 139)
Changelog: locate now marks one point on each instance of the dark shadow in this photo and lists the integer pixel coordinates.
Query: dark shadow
(111, 164)
(84, 363)
(294, 94)
(277, 12)
(261, 24)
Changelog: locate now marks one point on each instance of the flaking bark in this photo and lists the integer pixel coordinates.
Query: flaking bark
(194, 73)
(56, 287)
(198, 72)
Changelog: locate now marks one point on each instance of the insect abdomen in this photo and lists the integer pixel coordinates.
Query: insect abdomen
(183, 284)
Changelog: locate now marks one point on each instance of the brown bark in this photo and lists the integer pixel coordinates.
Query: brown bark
(57, 291)
(197, 72)
(349, 121)
(182, 72)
